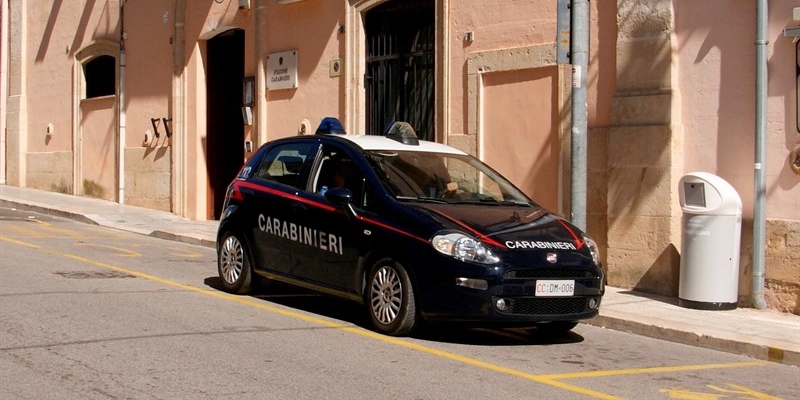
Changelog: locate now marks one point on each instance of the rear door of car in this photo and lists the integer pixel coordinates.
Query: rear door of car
(281, 173)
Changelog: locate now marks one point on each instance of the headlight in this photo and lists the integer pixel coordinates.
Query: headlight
(593, 249)
(463, 248)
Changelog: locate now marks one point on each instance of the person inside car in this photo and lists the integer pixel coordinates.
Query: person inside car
(337, 173)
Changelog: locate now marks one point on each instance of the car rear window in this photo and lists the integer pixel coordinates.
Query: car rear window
(285, 164)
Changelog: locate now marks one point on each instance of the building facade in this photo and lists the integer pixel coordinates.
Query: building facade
(158, 103)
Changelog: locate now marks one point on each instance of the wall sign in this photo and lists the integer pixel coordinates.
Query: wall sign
(282, 70)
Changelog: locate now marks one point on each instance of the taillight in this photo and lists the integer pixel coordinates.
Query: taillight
(235, 193)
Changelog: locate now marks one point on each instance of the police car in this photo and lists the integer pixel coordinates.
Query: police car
(415, 231)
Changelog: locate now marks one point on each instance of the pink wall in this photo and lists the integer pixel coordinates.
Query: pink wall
(98, 148)
(65, 28)
(515, 24)
(311, 28)
(148, 86)
(716, 68)
(520, 131)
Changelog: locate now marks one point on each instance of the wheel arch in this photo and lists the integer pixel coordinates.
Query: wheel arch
(376, 255)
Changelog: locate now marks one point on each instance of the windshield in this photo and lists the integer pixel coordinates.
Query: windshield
(441, 177)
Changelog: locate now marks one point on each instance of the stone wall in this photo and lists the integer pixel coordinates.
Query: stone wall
(782, 283)
(51, 171)
(642, 161)
(147, 177)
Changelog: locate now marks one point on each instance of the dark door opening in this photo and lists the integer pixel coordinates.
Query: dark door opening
(224, 124)
(399, 80)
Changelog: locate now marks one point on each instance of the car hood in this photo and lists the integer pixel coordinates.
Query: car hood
(508, 227)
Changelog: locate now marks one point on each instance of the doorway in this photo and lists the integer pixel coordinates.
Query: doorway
(400, 61)
(224, 124)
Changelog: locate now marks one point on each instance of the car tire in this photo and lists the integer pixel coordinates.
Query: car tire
(390, 299)
(233, 264)
(556, 327)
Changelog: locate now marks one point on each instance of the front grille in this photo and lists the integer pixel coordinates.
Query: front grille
(544, 273)
(546, 306)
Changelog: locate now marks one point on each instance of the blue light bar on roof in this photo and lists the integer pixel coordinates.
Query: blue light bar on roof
(330, 125)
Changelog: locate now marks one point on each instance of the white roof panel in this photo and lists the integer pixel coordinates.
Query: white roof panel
(375, 142)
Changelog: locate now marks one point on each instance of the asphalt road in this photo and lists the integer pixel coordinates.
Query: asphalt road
(92, 313)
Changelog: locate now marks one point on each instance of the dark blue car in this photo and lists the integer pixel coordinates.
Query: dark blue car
(414, 230)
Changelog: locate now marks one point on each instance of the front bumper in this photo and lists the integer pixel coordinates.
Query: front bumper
(509, 297)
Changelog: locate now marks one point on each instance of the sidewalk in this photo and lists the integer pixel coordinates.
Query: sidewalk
(761, 334)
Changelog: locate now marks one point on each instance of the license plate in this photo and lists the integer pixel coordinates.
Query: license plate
(554, 288)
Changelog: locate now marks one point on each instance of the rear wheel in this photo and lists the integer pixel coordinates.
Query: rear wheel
(233, 264)
(390, 299)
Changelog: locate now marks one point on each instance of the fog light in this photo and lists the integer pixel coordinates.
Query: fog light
(593, 304)
(501, 304)
(479, 284)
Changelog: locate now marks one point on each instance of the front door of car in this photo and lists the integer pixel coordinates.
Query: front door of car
(279, 177)
(332, 237)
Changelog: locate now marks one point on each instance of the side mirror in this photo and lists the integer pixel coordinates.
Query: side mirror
(339, 196)
(342, 197)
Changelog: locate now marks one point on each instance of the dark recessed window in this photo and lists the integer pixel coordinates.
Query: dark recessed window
(100, 73)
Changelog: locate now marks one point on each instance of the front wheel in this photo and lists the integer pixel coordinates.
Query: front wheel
(390, 299)
(233, 264)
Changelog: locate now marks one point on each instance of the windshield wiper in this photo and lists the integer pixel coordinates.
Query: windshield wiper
(492, 201)
(423, 199)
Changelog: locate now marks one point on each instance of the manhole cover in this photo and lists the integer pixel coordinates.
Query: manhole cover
(93, 274)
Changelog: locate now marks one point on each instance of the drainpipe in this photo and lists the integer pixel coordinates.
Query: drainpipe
(3, 86)
(261, 74)
(579, 50)
(121, 104)
(178, 139)
(759, 207)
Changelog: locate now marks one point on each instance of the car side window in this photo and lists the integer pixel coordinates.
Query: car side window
(285, 164)
(338, 170)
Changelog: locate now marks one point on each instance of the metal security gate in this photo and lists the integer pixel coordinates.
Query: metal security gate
(399, 80)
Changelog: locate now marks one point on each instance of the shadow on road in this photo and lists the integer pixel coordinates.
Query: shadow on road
(353, 313)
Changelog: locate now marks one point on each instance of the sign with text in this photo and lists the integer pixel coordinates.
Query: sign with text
(282, 70)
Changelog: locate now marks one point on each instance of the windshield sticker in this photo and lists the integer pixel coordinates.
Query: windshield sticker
(301, 234)
(540, 245)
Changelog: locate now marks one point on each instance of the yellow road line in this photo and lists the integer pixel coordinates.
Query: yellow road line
(120, 251)
(546, 379)
(19, 242)
(46, 226)
(24, 231)
(653, 370)
(249, 301)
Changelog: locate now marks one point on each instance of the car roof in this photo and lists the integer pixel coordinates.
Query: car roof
(375, 142)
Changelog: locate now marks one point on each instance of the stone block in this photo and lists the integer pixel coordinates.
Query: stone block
(465, 143)
(642, 109)
(644, 65)
(647, 271)
(634, 233)
(640, 191)
(640, 146)
(51, 171)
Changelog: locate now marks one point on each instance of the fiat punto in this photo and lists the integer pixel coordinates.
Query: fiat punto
(415, 231)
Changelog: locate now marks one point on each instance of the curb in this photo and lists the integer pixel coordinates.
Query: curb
(47, 211)
(183, 239)
(759, 352)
